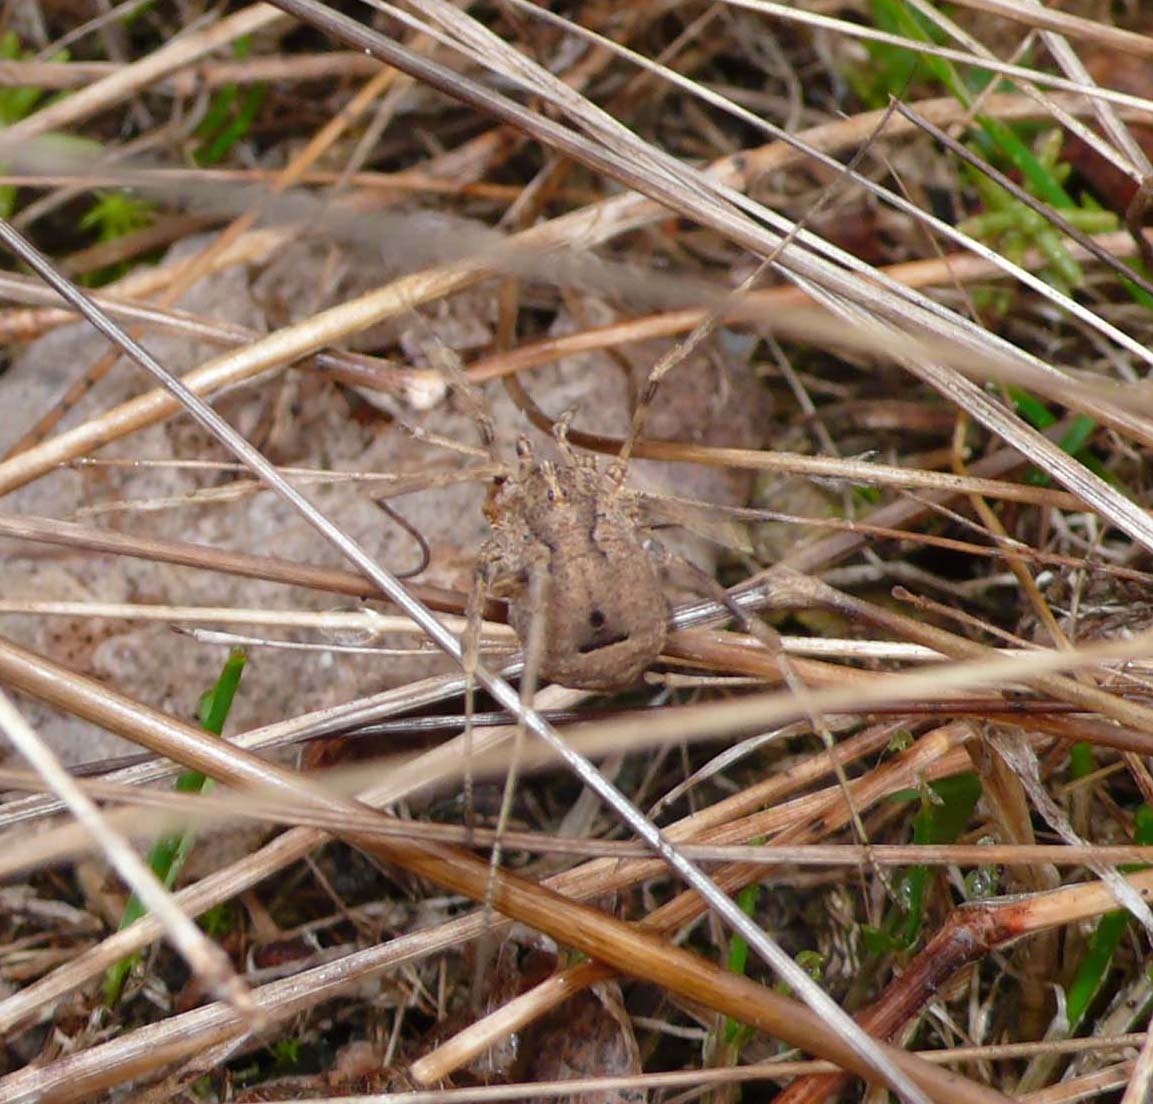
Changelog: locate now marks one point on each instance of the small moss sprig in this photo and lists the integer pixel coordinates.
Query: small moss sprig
(1015, 229)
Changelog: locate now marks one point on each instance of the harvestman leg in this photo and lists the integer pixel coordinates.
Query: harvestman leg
(470, 651)
(539, 582)
(753, 624)
(767, 635)
(472, 398)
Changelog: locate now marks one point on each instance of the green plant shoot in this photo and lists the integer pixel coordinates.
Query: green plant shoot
(230, 116)
(168, 854)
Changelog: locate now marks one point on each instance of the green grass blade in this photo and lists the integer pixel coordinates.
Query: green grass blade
(1094, 967)
(945, 812)
(167, 855)
(747, 899)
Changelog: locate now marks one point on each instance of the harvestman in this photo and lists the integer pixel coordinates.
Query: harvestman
(576, 532)
(572, 553)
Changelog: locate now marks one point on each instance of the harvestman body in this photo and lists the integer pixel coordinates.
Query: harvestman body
(572, 554)
(574, 528)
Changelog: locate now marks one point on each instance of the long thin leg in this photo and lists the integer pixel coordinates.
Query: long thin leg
(539, 582)
(447, 363)
(415, 533)
(755, 626)
(470, 650)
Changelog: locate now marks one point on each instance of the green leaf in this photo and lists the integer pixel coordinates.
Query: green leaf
(230, 116)
(735, 1032)
(1094, 965)
(946, 809)
(168, 854)
(115, 215)
(878, 942)
(1082, 761)
(945, 812)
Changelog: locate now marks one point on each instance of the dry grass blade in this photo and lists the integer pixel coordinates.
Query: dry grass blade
(869, 33)
(145, 810)
(117, 86)
(617, 944)
(244, 564)
(1066, 23)
(874, 1057)
(203, 956)
(715, 208)
(929, 394)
